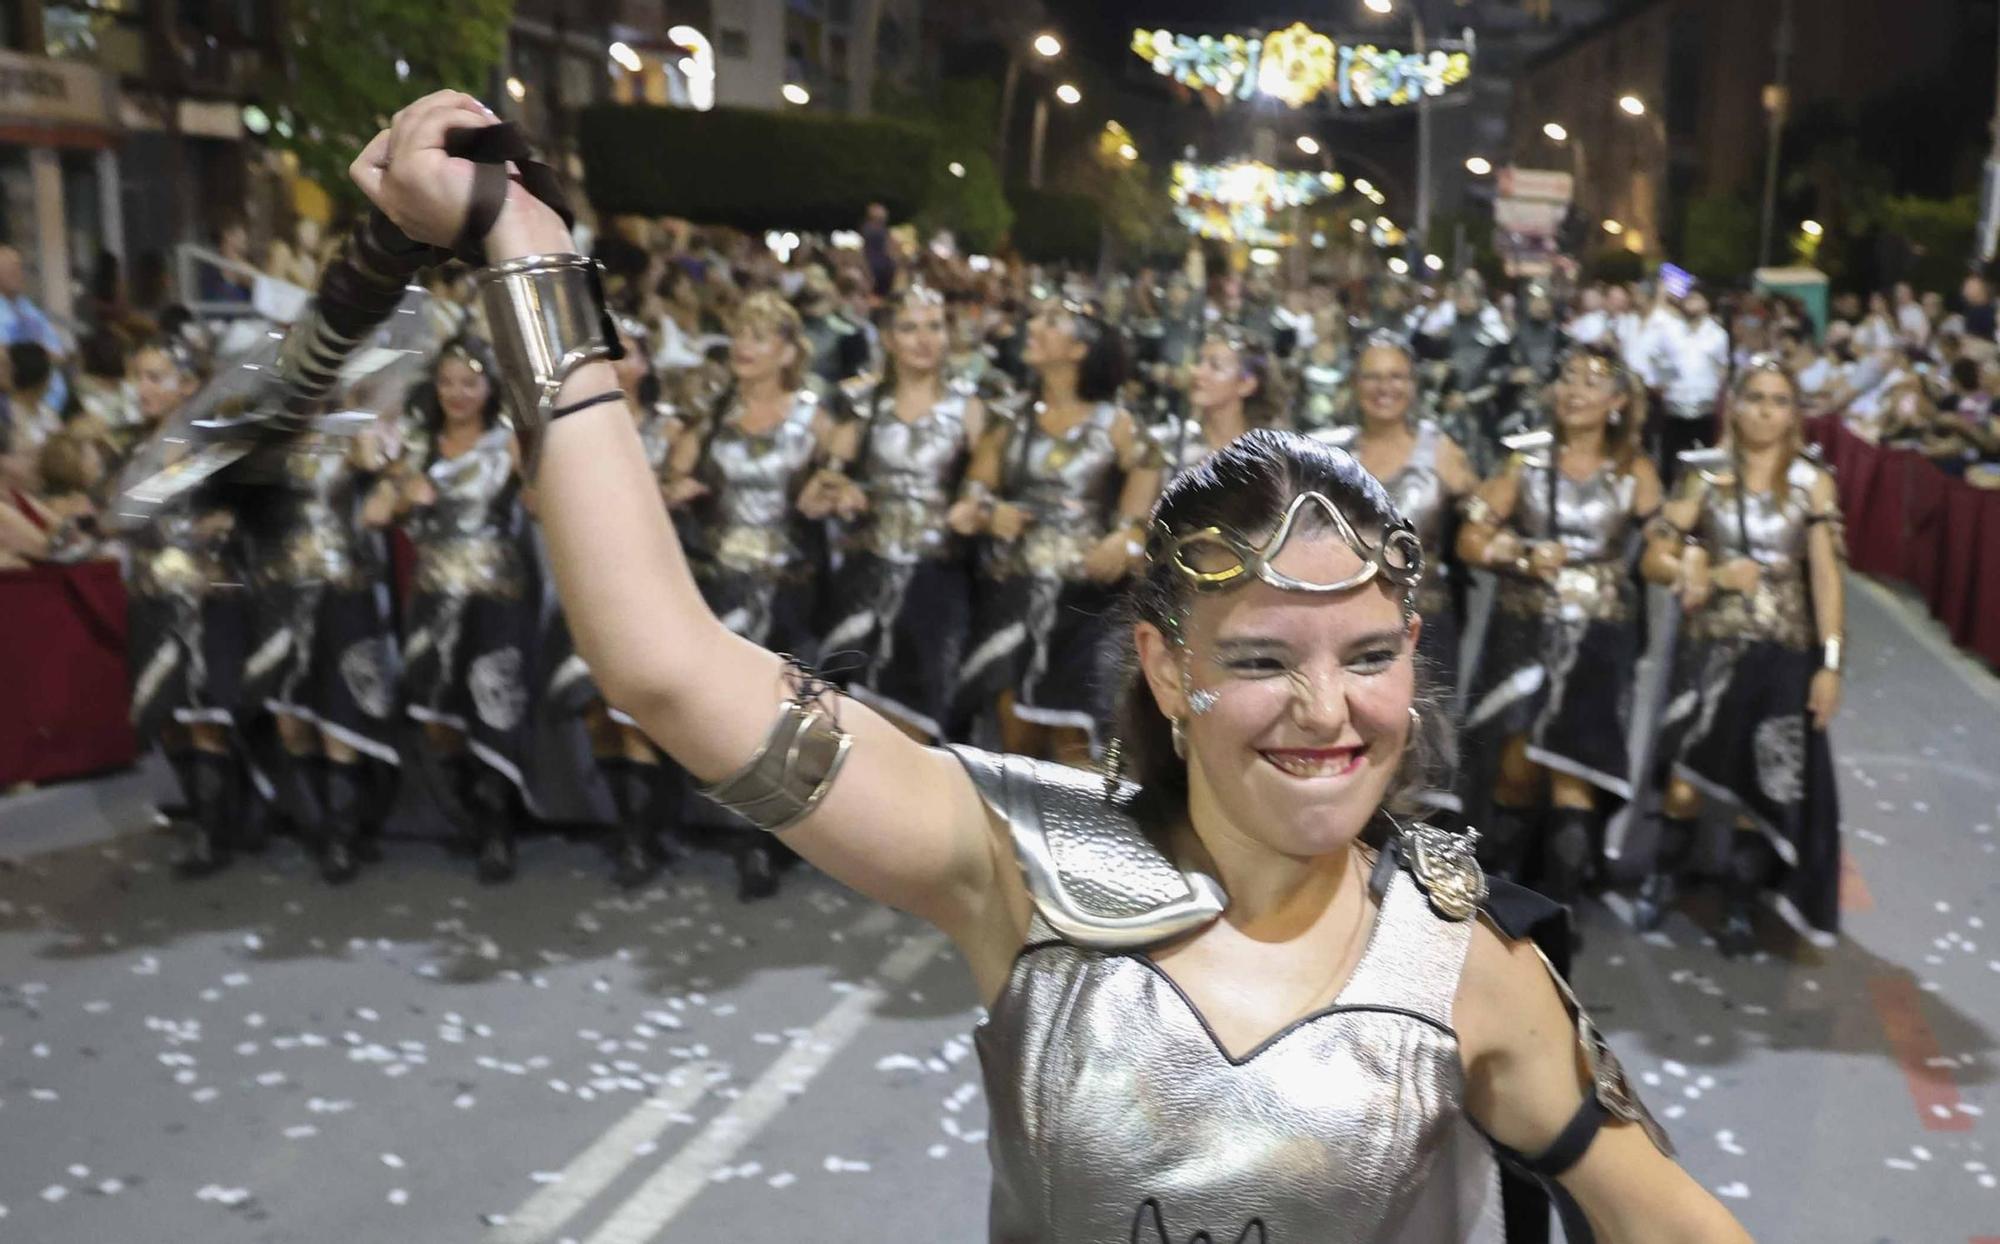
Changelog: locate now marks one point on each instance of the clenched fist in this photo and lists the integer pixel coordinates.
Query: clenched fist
(405, 171)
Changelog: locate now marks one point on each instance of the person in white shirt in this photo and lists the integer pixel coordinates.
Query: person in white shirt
(1912, 321)
(1877, 329)
(1639, 340)
(1591, 323)
(1690, 355)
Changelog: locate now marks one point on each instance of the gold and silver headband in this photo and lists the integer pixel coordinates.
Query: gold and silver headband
(1214, 560)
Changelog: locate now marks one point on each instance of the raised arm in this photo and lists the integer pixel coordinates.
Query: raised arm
(901, 823)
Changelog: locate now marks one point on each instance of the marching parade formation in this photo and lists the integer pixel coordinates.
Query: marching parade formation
(1276, 676)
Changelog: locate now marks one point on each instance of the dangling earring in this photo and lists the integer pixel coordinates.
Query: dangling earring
(1201, 701)
(1180, 739)
(1112, 767)
(1416, 723)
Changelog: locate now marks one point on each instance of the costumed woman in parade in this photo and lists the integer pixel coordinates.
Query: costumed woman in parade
(1213, 1010)
(324, 659)
(1550, 712)
(1061, 496)
(903, 594)
(1752, 546)
(747, 480)
(1427, 476)
(1235, 386)
(471, 616)
(189, 632)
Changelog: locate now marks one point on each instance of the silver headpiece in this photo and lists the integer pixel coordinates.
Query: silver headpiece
(1214, 560)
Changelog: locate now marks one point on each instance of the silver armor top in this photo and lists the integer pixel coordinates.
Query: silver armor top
(910, 474)
(1594, 516)
(656, 428)
(752, 480)
(1117, 1115)
(465, 540)
(315, 538)
(1069, 484)
(1770, 528)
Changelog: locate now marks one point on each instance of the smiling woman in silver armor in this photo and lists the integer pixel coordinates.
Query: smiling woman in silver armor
(1427, 476)
(1552, 703)
(903, 594)
(1211, 1005)
(1752, 547)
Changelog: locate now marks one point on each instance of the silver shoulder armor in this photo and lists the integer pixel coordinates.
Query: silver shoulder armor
(1093, 874)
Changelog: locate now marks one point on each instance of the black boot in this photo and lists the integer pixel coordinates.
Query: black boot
(1751, 865)
(1662, 886)
(632, 790)
(210, 777)
(1503, 846)
(340, 820)
(1568, 854)
(455, 780)
(756, 871)
(489, 796)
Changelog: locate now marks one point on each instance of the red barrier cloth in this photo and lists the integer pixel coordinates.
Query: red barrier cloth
(64, 692)
(1908, 520)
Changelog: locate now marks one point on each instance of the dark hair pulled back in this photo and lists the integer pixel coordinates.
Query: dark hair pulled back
(1245, 488)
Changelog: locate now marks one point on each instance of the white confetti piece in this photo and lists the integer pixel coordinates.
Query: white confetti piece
(783, 1179)
(1899, 1164)
(78, 1170)
(392, 1161)
(301, 1131)
(110, 1187)
(54, 1193)
(1739, 1190)
(399, 1196)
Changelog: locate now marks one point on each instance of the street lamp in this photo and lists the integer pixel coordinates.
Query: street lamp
(1479, 166)
(1812, 229)
(1127, 152)
(1434, 262)
(517, 88)
(1399, 265)
(1556, 132)
(1069, 94)
(1633, 105)
(1384, 223)
(796, 94)
(1614, 228)
(622, 53)
(1045, 45)
(1384, 7)
(1308, 144)
(955, 169)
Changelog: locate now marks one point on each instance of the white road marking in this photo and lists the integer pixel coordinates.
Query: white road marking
(646, 1213)
(554, 1204)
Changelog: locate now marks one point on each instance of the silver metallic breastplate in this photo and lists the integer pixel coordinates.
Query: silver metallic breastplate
(465, 540)
(1769, 527)
(753, 479)
(315, 540)
(1593, 517)
(1068, 483)
(910, 474)
(1116, 1114)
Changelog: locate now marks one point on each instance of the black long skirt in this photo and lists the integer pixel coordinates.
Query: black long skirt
(1563, 682)
(187, 658)
(468, 667)
(898, 634)
(1737, 730)
(328, 655)
(1047, 641)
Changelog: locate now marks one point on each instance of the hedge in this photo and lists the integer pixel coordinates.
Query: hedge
(1056, 228)
(750, 168)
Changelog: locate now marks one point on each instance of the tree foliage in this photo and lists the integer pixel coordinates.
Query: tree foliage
(1719, 238)
(353, 63)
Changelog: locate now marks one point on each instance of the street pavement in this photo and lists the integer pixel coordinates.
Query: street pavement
(257, 1058)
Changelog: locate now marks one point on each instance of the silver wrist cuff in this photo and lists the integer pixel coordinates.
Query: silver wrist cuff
(547, 317)
(791, 773)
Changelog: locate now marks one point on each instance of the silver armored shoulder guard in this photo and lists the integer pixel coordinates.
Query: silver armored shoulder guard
(1446, 868)
(1092, 872)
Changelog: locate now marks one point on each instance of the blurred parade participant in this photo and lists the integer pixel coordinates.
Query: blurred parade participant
(1427, 476)
(745, 477)
(1752, 547)
(472, 611)
(1552, 702)
(189, 635)
(323, 658)
(1062, 496)
(839, 347)
(1234, 388)
(1690, 354)
(903, 595)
